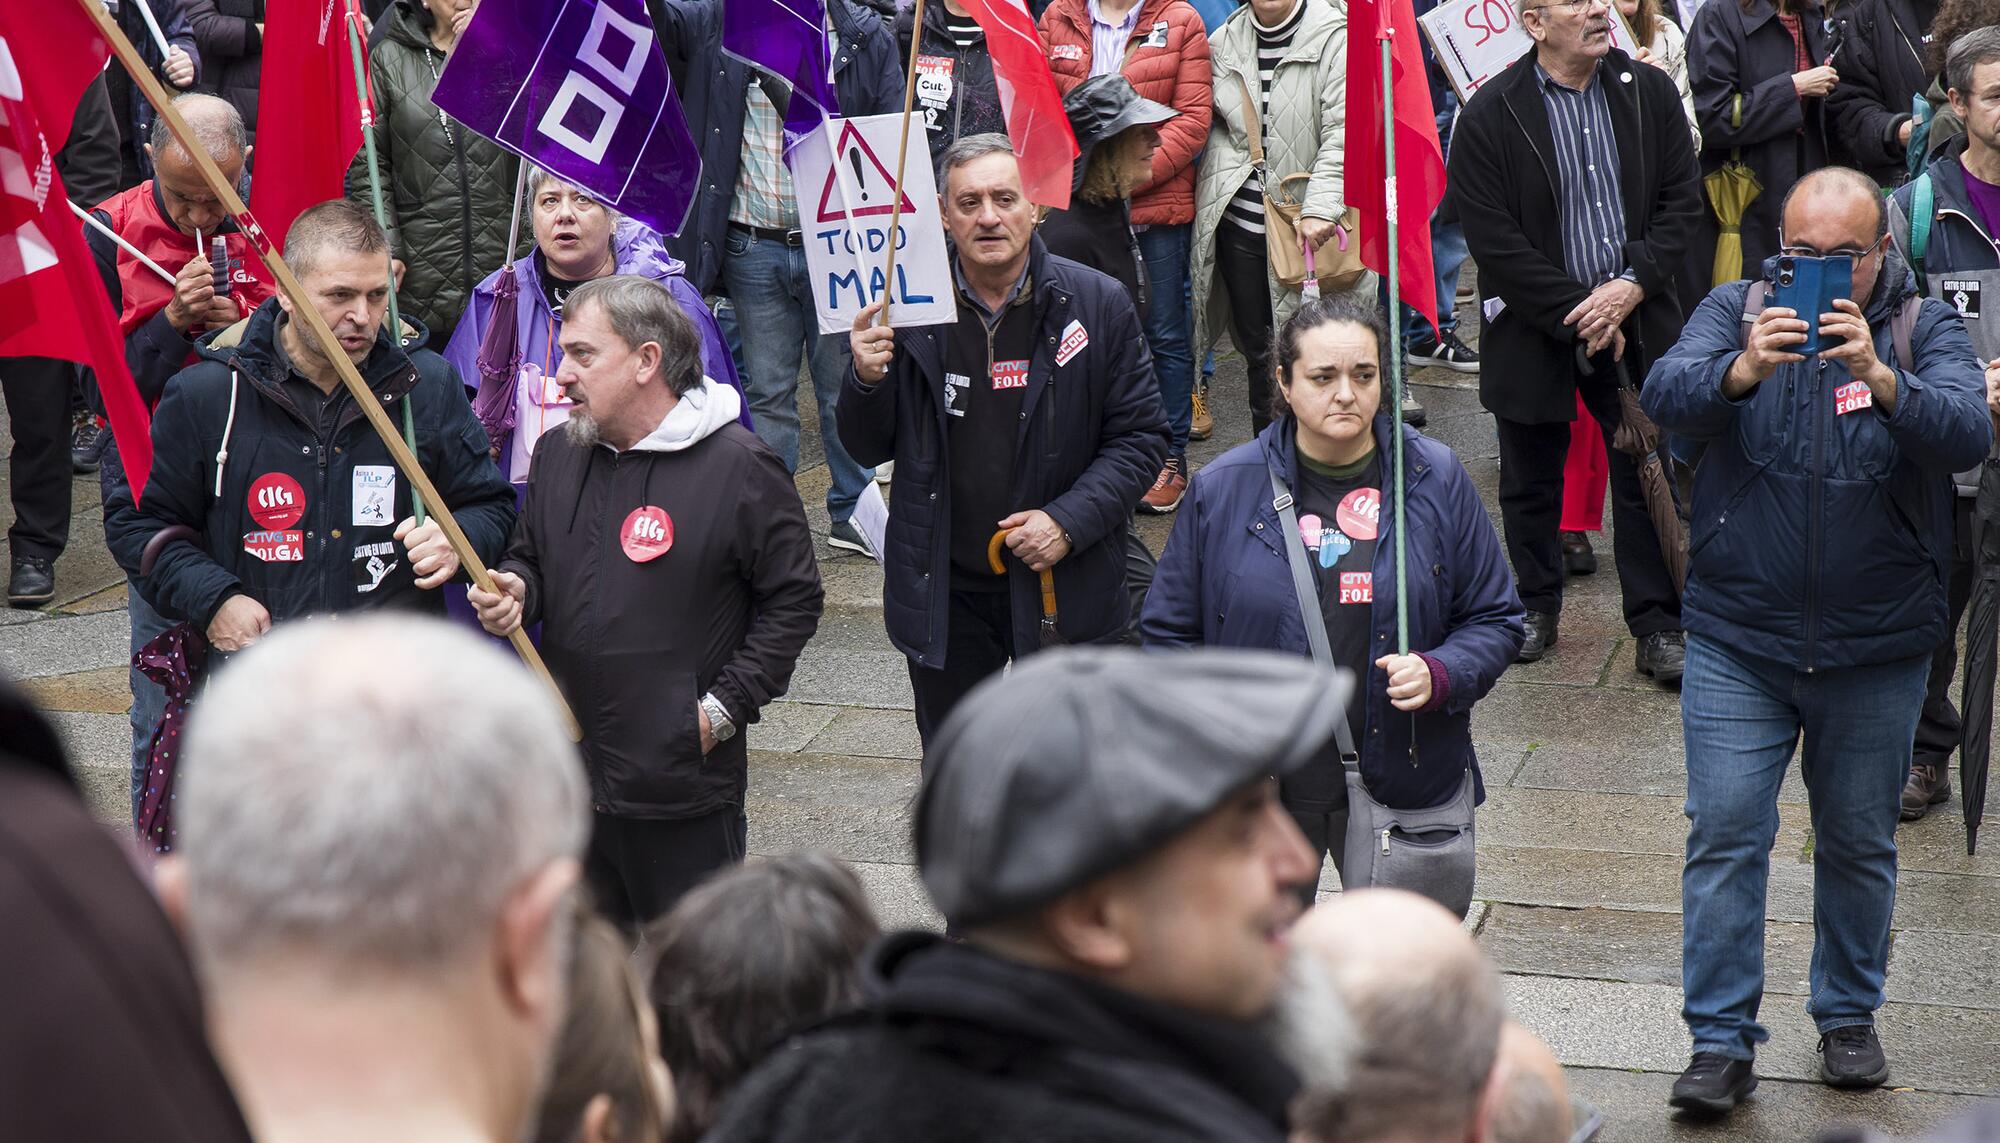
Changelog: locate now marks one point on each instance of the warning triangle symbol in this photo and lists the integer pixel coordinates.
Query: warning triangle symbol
(870, 184)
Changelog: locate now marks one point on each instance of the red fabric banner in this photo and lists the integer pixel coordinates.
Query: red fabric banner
(1030, 99)
(1419, 158)
(52, 302)
(308, 93)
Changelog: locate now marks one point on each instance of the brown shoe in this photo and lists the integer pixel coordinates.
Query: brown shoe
(1203, 425)
(1167, 490)
(1928, 786)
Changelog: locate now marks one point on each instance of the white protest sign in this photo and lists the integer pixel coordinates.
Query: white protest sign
(844, 208)
(1476, 40)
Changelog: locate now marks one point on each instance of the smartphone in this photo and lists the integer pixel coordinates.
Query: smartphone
(218, 264)
(1809, 287)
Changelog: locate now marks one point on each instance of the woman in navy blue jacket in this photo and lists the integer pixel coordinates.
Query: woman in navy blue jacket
(1225, 579)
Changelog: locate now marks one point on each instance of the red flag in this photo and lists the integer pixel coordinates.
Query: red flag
(1419, 158)
(52, 303)
(307, 94)
(1029, 97)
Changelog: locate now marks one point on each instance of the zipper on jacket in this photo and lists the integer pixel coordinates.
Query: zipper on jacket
(457, 143)
(1816, 503)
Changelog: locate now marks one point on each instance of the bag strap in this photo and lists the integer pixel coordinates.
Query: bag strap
(1753, 304)
(1901, 328)
(1308, 597)
(1923, 198)
(1253, 117)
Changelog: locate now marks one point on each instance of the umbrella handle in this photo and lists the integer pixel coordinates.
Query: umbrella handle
(1048, 575)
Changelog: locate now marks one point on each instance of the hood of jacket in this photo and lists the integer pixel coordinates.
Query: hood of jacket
(912, 977)
(408, 22)
(698, 415)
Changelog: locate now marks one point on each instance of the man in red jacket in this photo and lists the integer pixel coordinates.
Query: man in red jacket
(1162, 48)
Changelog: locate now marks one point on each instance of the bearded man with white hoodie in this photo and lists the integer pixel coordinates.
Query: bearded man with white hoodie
(665, 552)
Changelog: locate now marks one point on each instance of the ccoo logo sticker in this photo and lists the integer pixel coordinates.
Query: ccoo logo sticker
(276, 501)
(647, 534)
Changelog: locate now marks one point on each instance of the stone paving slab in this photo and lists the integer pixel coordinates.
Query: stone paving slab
(112, 598)
(786, 725)
(872, 734)
(1618, 764)
(852, 678)
(106, 690)
(1609, 1024)
(1526, 714)
(1634, 1105)
(65, 645)
(1582, 663)
(1945, 968)
(1621, 945)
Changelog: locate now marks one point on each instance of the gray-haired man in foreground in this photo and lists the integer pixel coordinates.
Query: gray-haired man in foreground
(382, 821)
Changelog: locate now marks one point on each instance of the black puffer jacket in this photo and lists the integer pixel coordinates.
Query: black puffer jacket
(1092, 439)
(958, 1044)
(232, 51)
(447, 191)
(1882, 70)
(283, 483)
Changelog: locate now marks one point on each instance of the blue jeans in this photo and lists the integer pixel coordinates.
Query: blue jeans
(767, 284)
(149, 699)
(1741, 717)
(1169, 319)
(1448, 252)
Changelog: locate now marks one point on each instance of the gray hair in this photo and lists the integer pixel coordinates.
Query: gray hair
(366, 793)
(1427, 1039)
(1311, 1026)
(968, 148)
(1981, 46)
(537, 175)
(216, 125)
(640, 310)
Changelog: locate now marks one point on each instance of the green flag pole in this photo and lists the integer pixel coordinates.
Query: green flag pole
(1385, 34)
(381, 216)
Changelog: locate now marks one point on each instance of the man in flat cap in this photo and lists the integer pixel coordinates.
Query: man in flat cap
(1114, 854)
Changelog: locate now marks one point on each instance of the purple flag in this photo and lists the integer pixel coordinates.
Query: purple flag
(787, 38)
(580, 88)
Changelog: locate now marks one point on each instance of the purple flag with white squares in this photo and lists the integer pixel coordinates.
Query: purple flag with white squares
(787, 38)
(579, 87)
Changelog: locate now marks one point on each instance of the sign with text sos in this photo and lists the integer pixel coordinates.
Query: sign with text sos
(1475, 40)
(844, 182)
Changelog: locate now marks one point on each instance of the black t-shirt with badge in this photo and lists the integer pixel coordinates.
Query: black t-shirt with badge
(985, 379)
(555, 290)
(1339, 510)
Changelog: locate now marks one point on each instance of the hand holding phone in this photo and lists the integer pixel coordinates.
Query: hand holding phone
(1809, 286)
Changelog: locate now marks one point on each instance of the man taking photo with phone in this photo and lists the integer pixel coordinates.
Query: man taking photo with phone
(1815, 595)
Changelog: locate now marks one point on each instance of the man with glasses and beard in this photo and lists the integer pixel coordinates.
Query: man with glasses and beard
(1816, 593)
(1575, 179)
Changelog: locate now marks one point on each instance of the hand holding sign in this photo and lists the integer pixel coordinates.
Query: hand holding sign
(873, 345)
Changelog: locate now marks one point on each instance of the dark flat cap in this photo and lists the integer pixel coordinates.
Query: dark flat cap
(1082, 760)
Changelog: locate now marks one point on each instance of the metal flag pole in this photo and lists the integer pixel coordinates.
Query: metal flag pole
(90, 220)
(381, 217)
(1385, 33)
(514, 223)
(316, 328)
(903, 155)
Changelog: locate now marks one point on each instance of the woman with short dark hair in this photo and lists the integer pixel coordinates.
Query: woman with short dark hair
(1226, 579)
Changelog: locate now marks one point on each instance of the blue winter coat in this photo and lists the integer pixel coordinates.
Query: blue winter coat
(1822, 540)
(1225, 581)
(713, 85)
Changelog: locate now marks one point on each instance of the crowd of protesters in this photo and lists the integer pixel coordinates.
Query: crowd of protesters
(1151, 968)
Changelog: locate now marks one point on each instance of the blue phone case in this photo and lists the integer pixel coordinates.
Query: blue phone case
(1809, 287)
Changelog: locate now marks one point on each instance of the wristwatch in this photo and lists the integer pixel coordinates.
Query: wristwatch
(719, 725)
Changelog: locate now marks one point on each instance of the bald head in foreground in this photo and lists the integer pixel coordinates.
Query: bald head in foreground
(1426, 1011)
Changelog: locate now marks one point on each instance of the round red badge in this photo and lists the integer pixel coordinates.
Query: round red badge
(276, 501)
(647, 534)
(1360, 513)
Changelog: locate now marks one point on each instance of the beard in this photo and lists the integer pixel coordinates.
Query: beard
(1311, 1026)
(581, 429)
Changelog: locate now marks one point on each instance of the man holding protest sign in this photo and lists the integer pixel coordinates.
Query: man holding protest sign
(1036, 415)
(745, 237)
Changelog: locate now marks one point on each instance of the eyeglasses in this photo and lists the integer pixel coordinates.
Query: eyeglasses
(1573, 7)
(1846, 251)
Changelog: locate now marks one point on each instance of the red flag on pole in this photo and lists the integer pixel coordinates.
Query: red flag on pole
(52, 303)
(308, 95)
(1419, 170)
(1030, 99)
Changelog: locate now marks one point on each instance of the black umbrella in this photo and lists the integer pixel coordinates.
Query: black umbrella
(1982, 639)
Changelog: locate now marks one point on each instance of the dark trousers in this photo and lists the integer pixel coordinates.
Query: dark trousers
(37, 391)
(1938, 728)
(1531, 480)
(979, 639)
(1244, 267)
(1326, 832)
(638, 868)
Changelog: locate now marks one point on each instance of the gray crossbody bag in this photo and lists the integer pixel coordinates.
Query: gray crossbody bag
(1427, 851)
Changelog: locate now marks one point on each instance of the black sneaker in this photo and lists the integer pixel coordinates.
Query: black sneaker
(32, 583)
(86, 444)
(1451, 353)
(1852, 1057)
(846, 536)
(1713, 1084)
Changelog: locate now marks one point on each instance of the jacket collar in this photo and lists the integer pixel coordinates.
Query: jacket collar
(1522, 91)
(912, 977)
(1237, 37)
(1280, 444)
(250, 348)
(1761, 12)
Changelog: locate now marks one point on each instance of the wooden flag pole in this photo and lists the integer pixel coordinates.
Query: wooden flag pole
(303, 312)
(902, 156)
